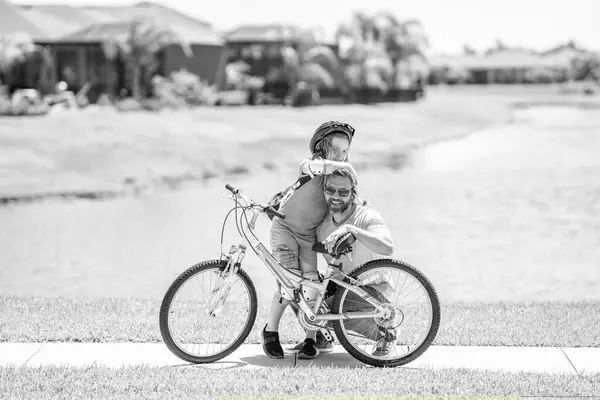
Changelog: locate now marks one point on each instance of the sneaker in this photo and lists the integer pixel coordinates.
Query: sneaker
(324, 345)
(270, 344)
(385, 343)
(309, 350)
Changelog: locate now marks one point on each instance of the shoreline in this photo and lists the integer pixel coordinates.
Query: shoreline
(395, 159)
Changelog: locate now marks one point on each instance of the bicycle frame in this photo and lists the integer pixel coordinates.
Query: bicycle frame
(291, 282)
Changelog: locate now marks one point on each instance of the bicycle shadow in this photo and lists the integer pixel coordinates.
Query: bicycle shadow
(252, 357)
(338, 358)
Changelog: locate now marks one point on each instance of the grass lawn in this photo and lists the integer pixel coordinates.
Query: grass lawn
(29, 319)
(297, 383)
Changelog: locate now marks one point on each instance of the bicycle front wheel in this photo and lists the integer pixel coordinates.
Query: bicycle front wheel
(414, 314)
(204, 317)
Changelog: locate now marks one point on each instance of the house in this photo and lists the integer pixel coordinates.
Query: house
(260, 45)
(502, 66)
(76, 34)
(564, 54)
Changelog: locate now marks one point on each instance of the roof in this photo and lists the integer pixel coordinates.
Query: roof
(569, 46)
(499, 60)
(101, 31)
(263, 33)
(52, 20)
(64, 21)
(11, 20)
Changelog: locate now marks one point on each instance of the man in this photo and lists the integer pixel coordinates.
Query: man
(374, 240)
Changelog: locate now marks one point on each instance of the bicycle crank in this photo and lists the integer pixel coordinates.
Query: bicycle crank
(310, 325)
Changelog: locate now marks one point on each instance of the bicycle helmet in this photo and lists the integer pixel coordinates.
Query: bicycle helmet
(328, 128)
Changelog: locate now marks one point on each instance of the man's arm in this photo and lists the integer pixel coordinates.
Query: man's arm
(375, 235)
(377, 239)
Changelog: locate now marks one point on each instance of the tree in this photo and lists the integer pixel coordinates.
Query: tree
(586, 67)
(390, 52)
(140, 46)
(365, 62)
(469, 51)
(23, 64)
(307, 67)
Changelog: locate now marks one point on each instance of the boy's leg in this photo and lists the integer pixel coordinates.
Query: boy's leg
(280, 236)
(324, 345)
(307, 260)
(276, 310)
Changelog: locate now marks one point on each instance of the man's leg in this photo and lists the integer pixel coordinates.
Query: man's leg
(367, 327)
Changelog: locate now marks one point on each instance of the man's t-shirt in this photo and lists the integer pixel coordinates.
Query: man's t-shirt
(363, 218)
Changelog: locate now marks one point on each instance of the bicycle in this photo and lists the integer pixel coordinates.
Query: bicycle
(381, 312)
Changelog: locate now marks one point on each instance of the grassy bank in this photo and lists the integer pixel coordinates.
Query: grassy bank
(111, 320)
(99, 150)
(297, 383)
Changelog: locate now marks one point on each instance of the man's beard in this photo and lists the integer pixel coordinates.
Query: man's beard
(342, 206)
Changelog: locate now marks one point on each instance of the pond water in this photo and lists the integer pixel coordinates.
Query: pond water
(507, 214)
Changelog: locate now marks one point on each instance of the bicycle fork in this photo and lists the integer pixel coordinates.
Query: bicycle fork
(221, 292)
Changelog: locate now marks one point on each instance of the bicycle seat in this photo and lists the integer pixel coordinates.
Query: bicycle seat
(341, 247)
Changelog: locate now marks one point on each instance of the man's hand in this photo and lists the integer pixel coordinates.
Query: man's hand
(285, 255)
(334, 236)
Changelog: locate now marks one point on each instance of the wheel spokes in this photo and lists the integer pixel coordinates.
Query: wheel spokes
(208, 314)
(408, 326)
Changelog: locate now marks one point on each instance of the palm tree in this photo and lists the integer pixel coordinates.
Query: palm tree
(586, 67)
(23, 64)
(366, 64)
(139, 48)
(307, 67)
(405, 43)
(387, 50)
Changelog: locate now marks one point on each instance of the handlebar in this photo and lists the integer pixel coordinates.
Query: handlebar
(267, 209)
(231, 188)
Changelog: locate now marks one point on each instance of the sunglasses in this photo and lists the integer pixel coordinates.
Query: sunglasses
(342, 192)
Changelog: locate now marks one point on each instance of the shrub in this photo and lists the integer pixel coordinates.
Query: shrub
(128, 104)
(18, 106)
(191, 88)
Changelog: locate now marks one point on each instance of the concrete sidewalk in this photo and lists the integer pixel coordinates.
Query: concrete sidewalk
(509, 359)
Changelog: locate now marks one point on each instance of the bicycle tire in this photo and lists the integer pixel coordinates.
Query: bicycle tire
(170, 294)
(433, 330)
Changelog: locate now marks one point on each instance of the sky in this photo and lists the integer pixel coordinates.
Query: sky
(449, 24)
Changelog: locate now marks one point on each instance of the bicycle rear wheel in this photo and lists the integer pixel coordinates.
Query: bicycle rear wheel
(190, 324)
(414, 320)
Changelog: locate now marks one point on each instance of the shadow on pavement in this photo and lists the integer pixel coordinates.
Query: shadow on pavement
(215, 365)
(261, 360)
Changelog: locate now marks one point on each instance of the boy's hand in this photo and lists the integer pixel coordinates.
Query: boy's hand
(285, 255)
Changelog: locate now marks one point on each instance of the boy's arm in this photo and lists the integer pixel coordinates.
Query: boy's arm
(321, 166)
